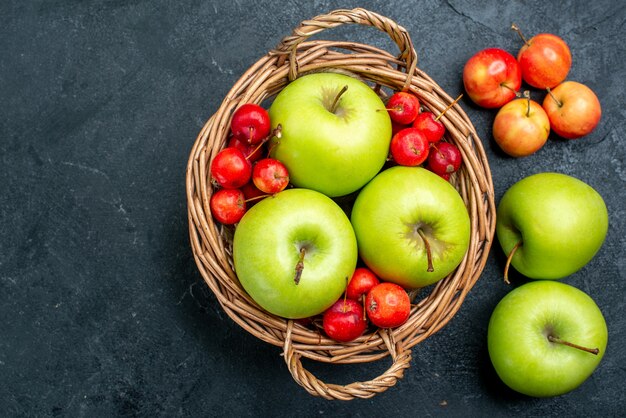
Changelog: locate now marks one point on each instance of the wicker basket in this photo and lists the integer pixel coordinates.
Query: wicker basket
(432, 307)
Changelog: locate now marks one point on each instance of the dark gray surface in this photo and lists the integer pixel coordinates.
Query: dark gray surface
(103, 312)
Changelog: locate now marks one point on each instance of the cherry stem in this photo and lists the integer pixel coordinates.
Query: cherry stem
(449, 106)
(559, 103)
(256, 148)
(276, 133)
(364, 308)
(299, 266)
(259, 197)
(508, 261)
(337, 97)
(438, 151)
(428, 253)
(519, 32)
(557, 340)
(517, 93)
(396, 108)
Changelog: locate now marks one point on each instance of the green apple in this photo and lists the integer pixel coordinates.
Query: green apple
(545, 338)
(294, 252)
(412, 227)
(550, 225)
(335, 132)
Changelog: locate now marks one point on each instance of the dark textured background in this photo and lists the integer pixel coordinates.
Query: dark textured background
(102, 310)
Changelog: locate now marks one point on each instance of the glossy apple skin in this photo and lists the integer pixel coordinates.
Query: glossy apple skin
(387, 214)
(492, 77)
(517, 338)
(562, 220)
(333, 153)
(577, 112)
(545, 60)
(266, 250)
(518, 131)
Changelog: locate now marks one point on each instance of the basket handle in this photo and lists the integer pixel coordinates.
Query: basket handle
(401, 361)
(340, 17)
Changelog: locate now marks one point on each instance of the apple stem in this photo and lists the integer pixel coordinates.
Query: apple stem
(558, 102)
(337, 97)
(519, 32)
(527, 96)
(299, 266)
(508, 262)
(449, 106)
(428, 253)
(594, 351)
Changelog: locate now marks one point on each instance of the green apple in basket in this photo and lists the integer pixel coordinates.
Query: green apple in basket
(335, 132)
(294, 253)
(550, 225)
(412, 226)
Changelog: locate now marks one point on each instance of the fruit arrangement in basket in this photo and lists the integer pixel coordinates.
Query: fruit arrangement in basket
(340, 203)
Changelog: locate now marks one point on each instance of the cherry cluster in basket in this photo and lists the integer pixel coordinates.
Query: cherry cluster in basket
(493, 79)
(331, 190)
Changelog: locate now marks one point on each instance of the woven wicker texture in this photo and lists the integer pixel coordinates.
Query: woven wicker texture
(432, 307)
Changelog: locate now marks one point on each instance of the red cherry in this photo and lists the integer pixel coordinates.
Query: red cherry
(432, 128)
(444, 158)
(270, 175)
(409, 147)
(228, 205)
(252, 194)
(361, 282)
(344, 320)
(403, 107)
(388, 305)
(252, 152)
(250, 123)
(397, 127)
(230, 169)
